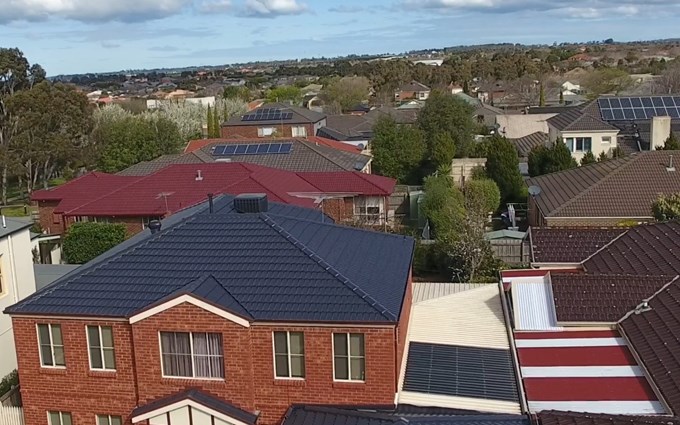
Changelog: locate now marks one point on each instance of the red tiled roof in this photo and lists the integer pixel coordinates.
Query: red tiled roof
(591, 371)
(177, 186)
(334, 144)
(568, 245)
(654, 334)
(554, 417)
(197, 144)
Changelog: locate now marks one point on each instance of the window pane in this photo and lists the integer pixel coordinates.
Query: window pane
(93, 336)
(107, 336)
(44, 334)
(102, 419)
(116, 420)
(297, 366)
(341, 371)
(182, 344)
(109, 359)
(356, 343)
(340, 344)
(56, 335)
(202, 366)
(215, 344)
(59, 356)
(54, 418)
(65, 419)
(200, 343)
(280, 343)
(358, 369)
(46, 352)
(297, 343)
(96, 358)
(282, 366)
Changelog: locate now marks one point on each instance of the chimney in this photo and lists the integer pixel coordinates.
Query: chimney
(251, 203)
(155, 226)
(199, 176)
(660, 131)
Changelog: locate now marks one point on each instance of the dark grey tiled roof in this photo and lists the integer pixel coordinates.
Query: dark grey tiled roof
(347, 127)
(13, 225)
(305, 156)
(414, 86)
(323, 415)
(621, 188)
(400, 116)
(48, 273)
(262, 266)
(525, 144)
(575, 120)
(300, 116)
(202, 398)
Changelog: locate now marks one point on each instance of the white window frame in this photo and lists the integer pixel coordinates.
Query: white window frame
(193, 357)
(569, 141)
(108, 418)
(606, 140)
(583, 139)
(101, 348)
(299, 131)
(61, 417)
(366, 202)
(265, 131)
(349, 356)
(289, 356)
(51, 342)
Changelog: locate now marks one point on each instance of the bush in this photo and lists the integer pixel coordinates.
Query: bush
(85, 241)
(667, 207)
(502, 166)
(443, 204)
(482, 196)
(8, 382)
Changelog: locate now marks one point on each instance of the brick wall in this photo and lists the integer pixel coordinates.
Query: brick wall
(250, 131)
(49, 222)
(74, 389)
(339, 209)
(402, 329)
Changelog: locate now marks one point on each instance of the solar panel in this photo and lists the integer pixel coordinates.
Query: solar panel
(230, 150)
(286, 148)
(263, 148)
(251, 149)
(275, 148)
(639, 108)
(219, 150)
(240, 149)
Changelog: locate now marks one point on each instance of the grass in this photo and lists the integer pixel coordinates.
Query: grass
(17, 211)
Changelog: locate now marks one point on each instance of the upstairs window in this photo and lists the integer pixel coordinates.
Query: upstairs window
(583, 144)
(265, 131)
(349, 359)
(192, 355)
(606, 140)
(289, 354)
(109, 420)
(59, 418)
(100, 343)
(299, 131)
(51, 345)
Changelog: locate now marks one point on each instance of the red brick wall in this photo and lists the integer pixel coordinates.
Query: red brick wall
(339, 209)
(133, 225)
(402, 329)
(250, 131)
(75, 389)
(49, 222)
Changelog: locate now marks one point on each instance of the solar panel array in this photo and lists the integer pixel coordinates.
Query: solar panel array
(639, 108)
(252, 149)
(268, 114)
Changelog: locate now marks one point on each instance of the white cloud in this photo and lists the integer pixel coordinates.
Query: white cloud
(215, 6)
(273, 8)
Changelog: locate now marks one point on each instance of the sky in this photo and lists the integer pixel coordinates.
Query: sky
(80, 36)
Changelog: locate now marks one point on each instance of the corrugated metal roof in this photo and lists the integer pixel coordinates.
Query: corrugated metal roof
(533, 304)
(423, 291)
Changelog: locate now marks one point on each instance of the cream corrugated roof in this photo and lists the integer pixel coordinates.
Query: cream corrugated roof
(423, 291)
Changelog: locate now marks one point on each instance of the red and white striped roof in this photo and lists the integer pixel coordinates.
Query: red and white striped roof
(583, 371)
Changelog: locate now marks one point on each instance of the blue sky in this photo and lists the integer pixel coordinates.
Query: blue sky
(77, 36)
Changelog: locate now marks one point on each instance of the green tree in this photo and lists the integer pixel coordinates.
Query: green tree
(8, 382)
(217, 124)
(53, 126)
(588, 158)
(502, 166)
(449, 115)
(482, 196)
(602, 156)
(545, 160)
(285, 94)
(541, 95)
(211, 123)
(667, 207)
(672, 143)
(240, 93)
(606, 81)
(85, 241)
(123, 143)
(397, 150)
(346, 92)
(443, 205)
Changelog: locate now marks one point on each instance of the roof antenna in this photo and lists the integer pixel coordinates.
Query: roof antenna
(4, 222)
(199, 176)
(670, 164)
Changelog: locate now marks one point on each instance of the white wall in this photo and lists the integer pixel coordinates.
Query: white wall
(596, 145)
(18, 279)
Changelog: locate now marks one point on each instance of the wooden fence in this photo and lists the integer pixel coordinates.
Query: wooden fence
(11, 415)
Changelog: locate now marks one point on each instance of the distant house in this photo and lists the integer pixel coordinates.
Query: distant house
(515, 126)
(603, 194)
(136, 200)
(274, 120)
(412, 90)
(582, 133)
(203, 101)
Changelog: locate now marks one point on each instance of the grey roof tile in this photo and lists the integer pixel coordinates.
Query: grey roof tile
(576, 120)
(525, 144)
(269, 266)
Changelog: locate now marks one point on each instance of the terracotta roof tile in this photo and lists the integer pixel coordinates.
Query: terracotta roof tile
(568, 245)
(597, 298)
(525, 144)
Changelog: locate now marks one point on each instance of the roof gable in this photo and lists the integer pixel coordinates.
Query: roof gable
(576, 120)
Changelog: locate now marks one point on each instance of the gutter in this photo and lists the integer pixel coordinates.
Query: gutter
(513, 351)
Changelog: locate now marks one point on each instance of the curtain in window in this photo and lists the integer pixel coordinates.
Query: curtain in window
(176, 350)
(208, 358)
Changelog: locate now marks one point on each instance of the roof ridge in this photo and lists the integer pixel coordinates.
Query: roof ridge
(330, 269)
(625, 162)
(203, 277)
(605, 246)
(365, 178)
(312, 146)
(642, 306)
(140, 178)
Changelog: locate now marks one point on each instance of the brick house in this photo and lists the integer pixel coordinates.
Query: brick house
(342, 195)
(276, 119)
(222, 317)
(609, 193)
(412, 90)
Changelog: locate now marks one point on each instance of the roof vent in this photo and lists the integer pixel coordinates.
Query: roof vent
(251, 203)
(155, 226)
(358, 165)
(223, 160)
(670, 164)
(199, 176)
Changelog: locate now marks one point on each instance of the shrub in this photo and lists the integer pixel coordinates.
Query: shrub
(85, 241)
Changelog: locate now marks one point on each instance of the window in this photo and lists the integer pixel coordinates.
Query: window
(289, 354)
(582, 144)
(192, 355)
(300, 131)
(349, 362)
(51, 345)
(569, 141)
(59, 418)
(368, 207)
(100, 343)
(606, 139)
(109, 420)
(265, 131)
